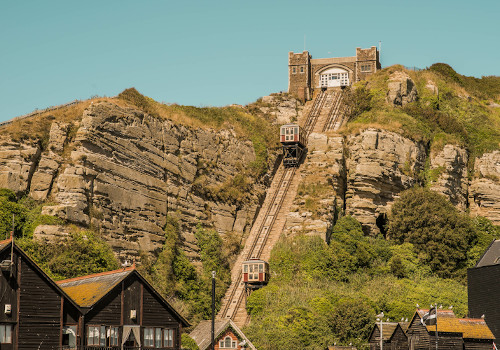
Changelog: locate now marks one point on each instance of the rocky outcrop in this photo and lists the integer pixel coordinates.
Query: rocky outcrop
(125, 171)
(380, 165)
(50, 161)
(280, 108)
(448, 172)
(401, 89)
(322, 187)
(18, 161)
(484, 192)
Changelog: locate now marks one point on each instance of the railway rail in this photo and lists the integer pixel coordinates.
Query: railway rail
(264, 225)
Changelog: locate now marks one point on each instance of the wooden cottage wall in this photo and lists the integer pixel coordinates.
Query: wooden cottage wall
(399, 340)
(39, 312)
(8, 290)
(107, 311)
(417, 333)
(156, 314)
(447, 341)
(131, 301)
(476, 344)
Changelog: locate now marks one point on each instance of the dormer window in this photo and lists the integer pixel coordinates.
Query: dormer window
(227, 343)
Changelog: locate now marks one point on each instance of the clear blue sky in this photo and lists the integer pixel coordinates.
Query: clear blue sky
(213, 53)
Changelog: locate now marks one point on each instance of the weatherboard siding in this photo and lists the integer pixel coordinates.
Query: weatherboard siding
(483, 284)
(107, 311)
(132, 301)
(40, 311)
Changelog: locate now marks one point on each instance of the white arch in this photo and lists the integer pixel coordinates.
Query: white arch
(333, 76)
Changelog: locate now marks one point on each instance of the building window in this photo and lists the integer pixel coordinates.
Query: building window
(227, 343)
(113, 336)
(69, 337)
(149, 337)
(5, 334)
(366, 68)
(336, 79)
(99, 335)
(168, 338)
(93, 335)
(302, 69)
(294, 70)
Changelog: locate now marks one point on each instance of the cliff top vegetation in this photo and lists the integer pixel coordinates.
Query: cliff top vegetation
(450, 108)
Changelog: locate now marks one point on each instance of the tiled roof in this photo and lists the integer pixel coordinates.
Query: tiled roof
(388, 329)
(491, 256)
(471, 328)
(4, 243)
(475, 328)
(87, 290)
(203, 332)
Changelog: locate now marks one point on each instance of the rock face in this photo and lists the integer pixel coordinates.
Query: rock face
(449, 171)
(281, 108)
(402, 89)
(321, 192)
(484, 192)
(380, 165)
(126, 171)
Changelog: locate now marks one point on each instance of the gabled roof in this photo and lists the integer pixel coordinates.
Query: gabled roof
(7, 244)
(388, 330)
(203, 331)
(88, 290)
(491, 256)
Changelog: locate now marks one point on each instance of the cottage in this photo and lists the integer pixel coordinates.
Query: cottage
(34, 311)
(120, 308)
(393, 336)
(226, 335)
(104, 311)
(452, 332)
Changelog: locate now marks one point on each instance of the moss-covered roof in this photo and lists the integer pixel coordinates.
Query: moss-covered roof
(88, 290)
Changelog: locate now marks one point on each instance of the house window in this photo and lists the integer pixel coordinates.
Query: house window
(366, 68)
(99, 335)
(113, 336)
(227, 343)
(149, 337)
(93, 335)
(69, 337)
(294, 70)
(5, 334)
(168, 338)
(158, 337)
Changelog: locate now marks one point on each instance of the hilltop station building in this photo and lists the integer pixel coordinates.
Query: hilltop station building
(307, 75)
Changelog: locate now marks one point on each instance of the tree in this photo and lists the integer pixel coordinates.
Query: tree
(440, 234)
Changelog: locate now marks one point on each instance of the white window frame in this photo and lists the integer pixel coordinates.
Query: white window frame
(168, 337)
(227, 339)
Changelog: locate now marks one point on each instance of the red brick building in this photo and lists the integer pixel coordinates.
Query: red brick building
(227, 336)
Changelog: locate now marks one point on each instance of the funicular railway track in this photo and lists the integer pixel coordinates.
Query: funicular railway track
(336, 113)
(233, 304)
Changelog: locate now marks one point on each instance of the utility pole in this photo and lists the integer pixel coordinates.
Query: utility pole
(213, 310)
(436, 307)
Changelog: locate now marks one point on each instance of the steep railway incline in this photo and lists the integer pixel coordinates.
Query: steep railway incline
(272, 216)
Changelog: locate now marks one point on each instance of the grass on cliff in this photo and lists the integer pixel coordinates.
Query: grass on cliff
(463, 113)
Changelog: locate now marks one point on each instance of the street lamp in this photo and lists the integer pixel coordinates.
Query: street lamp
(213, 309)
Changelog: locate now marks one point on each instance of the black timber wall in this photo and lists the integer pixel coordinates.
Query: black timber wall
(39, 312)
(483, 284)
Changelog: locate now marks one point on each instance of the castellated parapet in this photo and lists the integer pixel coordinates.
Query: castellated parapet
(305, 74)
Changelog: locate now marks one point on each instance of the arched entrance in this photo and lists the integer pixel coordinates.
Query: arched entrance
(333, 77)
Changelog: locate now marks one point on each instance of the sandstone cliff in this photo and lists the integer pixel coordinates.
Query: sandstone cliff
(123, 171)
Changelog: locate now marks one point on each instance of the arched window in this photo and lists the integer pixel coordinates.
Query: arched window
(227, 342)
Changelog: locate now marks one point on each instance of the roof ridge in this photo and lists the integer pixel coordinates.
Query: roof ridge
(6, 240)
(472, 319)
(130, 268)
